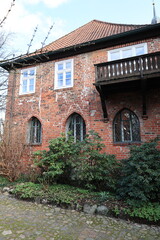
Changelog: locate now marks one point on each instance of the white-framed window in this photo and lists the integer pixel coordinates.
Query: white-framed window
(64, 74)
(28, 80)
(127, 52)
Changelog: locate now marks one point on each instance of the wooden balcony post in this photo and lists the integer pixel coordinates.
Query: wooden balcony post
(103, 103)
(144, 99)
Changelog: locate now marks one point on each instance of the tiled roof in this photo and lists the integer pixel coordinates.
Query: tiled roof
(91, 31)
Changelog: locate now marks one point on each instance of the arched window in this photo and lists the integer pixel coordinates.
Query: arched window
(126, 127)
(35, 131)
(76, 126)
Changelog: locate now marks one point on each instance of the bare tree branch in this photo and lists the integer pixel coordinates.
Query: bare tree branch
(8, 12)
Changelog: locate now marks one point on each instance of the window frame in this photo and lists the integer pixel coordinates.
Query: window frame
(133, 49)
(32, 131)
(28, 78)
(63, 72)
(131, 127)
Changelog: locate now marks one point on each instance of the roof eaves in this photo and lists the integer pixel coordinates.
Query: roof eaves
(129, 36)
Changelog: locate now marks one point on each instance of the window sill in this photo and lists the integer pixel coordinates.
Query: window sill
(34, 144)
(126, 143)
(63, 88)
(26, 94)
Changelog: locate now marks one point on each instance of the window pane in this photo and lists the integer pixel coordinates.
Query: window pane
(60, 66)
(31, 85)
(127, 53)
(135, 129)
(60, 79)
(24, 86)
(25, 74)
(31, 81)
(139, 50)
(115, 55)
(117, 129)
(125, 115)
(68, 78)
(31, 72)
(126, 131)
(60, 76)
(24, 89)
(24, 82)
(68, 64)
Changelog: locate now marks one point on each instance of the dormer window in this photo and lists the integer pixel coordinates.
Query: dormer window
(28, 79)
(127, 52)
(64, 74)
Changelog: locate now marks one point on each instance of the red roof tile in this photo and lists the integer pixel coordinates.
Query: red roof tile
(91, 31)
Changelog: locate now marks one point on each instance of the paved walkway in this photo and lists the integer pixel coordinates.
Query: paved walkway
(24, 220)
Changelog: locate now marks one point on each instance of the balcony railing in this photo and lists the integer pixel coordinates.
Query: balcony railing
(134, 67)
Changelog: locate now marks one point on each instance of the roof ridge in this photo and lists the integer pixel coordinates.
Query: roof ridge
(120, 24)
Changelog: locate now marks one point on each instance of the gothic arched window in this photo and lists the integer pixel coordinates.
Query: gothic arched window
(35, 131)
(126, 127)
(76, 125)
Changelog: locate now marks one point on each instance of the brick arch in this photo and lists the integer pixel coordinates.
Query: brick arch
(36, 116)
(125, 108)
(70, 114)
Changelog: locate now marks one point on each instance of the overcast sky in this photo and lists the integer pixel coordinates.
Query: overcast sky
(67, 15)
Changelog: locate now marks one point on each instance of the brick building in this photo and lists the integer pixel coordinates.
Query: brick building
(102, 76)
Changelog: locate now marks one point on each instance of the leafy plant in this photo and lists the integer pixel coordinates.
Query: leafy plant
(28, 190)
(140, 179)
(150, 212)
(81, 163)
(104, 196)
(56, 194)
(92, 168)
(56, 162)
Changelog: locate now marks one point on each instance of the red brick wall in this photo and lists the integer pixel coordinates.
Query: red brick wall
(53, 107)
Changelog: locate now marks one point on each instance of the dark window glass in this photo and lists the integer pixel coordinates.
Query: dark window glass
(126, 127)
(35, 131)
(77, 127)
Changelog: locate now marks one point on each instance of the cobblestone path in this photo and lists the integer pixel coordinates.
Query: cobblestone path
(26, 220)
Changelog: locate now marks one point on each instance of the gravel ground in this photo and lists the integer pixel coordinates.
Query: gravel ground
(26, 220)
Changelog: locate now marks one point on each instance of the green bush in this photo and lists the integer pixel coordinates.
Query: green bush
(140, 179)
(94, 169)
(55, 163)
(81, 163)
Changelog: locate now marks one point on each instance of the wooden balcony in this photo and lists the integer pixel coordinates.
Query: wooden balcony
(129, 69)
(139, 73)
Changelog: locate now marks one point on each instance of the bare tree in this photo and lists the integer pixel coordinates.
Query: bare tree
(4, 54)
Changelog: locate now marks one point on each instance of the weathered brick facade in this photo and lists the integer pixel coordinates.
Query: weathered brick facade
(53, 107)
